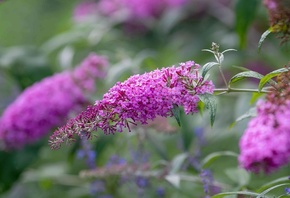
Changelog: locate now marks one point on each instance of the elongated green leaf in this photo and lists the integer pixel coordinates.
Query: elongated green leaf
(272, 188)
(246, 74)
(263, 37)
(216, 155)
(228, 50)
(173, 179)
(210, 103)
(200, 107)
(255, 97)
(283, 196)
(187, 135)
(176, 113)
(240, 68)
(239, 176)
(207, 67)
(273, 183)
(245, 14)
(250, 113)
(177, 162)
(221, 195)
(269, 76)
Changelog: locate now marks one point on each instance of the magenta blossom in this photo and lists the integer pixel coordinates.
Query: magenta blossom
(84, 10)
(137, 100)
(48, 103)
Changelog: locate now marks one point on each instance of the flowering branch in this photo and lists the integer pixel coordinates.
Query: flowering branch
(139, 99)
(221, 91)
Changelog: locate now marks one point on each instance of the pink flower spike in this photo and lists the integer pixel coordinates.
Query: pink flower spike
(139, 99)
(48, 103)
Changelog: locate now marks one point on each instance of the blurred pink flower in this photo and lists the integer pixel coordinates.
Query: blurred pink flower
(84, 10)
(265, 145)
(48, 103)
(138, 9)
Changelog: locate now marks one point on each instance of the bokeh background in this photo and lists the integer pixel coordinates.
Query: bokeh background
(41, 37)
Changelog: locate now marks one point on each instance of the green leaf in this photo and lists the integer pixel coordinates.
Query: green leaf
(250, 113)
(272, 188)
(221, 195)
(273, 183)
(284, 196)
(177, 162)
(207, 67)
(240, 68)
(216, 155)
(173, 179)
(176, 113)
(210, 103)
(263, 37)
(239, 176)
(245, 14)
(255, 97)
(228, 50)
(246, 74)
(269, 76)
(200, 107)
(186, 131)
(14, 163)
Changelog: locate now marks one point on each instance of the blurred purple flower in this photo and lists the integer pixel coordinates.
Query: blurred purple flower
(87, 153)
(207, 180)
(97, 186)
(48, 103)
(138, 9)
(142, 182)
(116, 160)
(160, 192)
(84, 10)
(287, 190)
(139, 99)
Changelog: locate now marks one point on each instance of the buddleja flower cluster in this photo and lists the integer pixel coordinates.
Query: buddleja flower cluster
(265, 145)
(137, 100)
(48, 103)
(279, 14)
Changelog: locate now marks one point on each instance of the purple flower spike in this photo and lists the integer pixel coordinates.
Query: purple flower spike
(137, 100)
(48, 103)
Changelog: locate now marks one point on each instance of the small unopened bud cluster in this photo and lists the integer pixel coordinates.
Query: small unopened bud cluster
(279, 15)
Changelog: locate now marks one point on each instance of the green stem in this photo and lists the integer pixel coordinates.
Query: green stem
(229, 90)
(223, 76)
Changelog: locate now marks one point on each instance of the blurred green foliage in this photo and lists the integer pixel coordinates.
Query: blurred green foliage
(40, 37)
